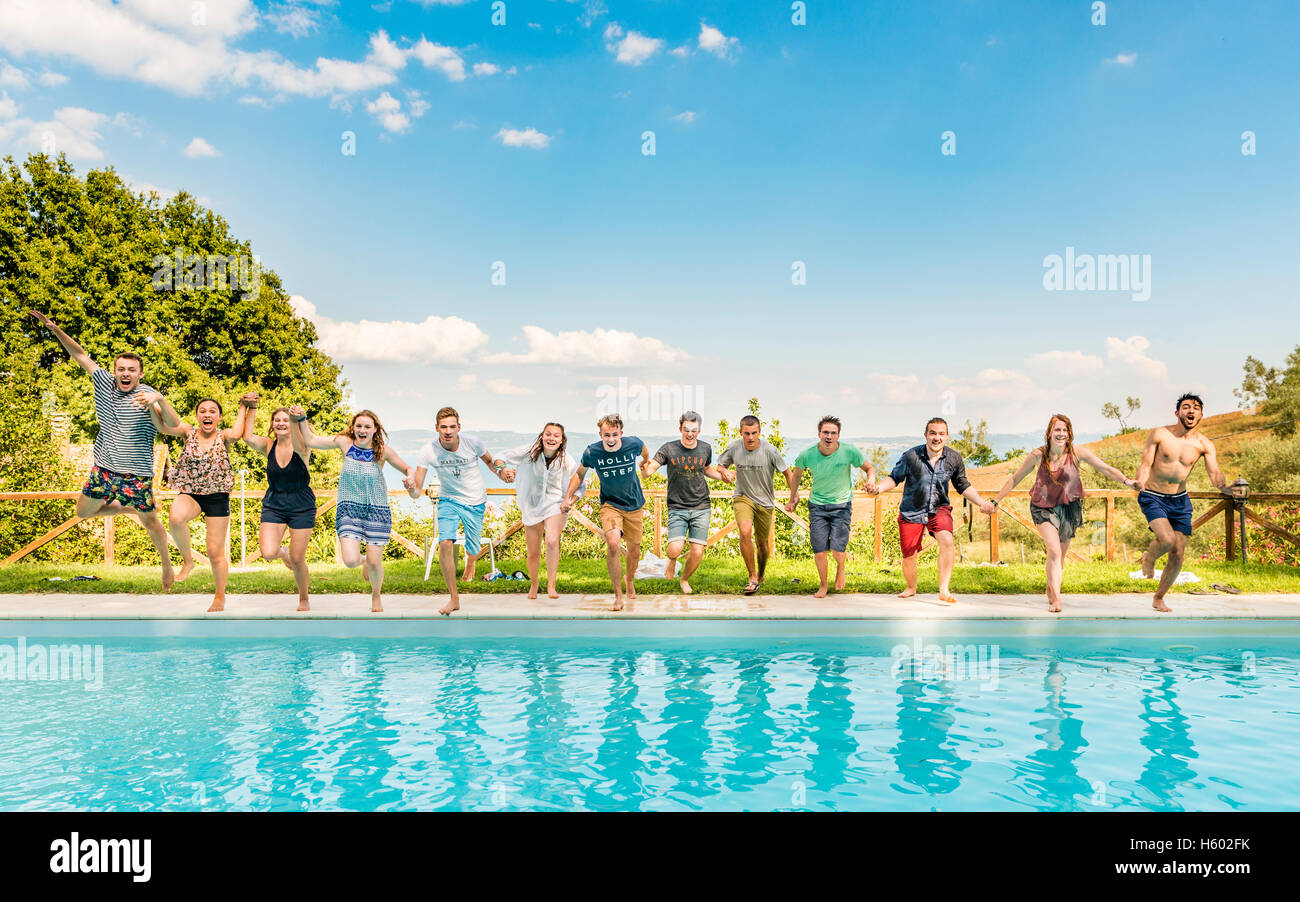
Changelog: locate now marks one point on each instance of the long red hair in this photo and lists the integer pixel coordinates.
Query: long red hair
(1047, 439)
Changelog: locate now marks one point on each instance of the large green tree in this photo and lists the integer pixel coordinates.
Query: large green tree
(100, 259)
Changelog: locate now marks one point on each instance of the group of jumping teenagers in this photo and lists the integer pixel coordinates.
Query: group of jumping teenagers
(549, 481)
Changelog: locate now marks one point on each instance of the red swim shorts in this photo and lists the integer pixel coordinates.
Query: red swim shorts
(910, 534)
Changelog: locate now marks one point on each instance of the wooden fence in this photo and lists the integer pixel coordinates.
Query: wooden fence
(1234, 513)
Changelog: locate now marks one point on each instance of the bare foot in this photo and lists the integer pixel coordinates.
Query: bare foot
(947, 597)
(552, 592)
(468, 575)
(907, 593)
(304, 603)
(218, 605)
(283, 557)
(618, 603)
(629, 589)
(187, 567)
(1159, 605)
(686, 587)
(532, 590)
(1054, 607)
(841, 580)
(821, 592)
(452, 605)
(1148, 570)
(168, 576)
(670, 569)
(376, 607)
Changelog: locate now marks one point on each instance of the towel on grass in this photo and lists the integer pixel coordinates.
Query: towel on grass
(1184, 577)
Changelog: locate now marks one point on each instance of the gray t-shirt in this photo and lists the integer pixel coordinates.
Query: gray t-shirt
(754, 470)
(688, 487)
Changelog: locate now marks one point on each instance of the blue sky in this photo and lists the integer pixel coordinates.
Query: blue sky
(775, 143)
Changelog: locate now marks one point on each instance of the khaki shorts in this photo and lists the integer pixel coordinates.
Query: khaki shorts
(749, 512)
(626, 522)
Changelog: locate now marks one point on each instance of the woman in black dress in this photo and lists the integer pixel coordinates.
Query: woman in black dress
(289, 502)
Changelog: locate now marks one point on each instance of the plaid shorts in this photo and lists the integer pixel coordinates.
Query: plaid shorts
(131, 491)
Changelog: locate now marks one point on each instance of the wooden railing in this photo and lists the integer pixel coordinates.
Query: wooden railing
(864, 506)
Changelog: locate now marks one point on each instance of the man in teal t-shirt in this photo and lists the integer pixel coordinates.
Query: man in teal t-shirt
(830, 506)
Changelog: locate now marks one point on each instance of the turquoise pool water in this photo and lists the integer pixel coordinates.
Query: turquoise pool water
(618, 724)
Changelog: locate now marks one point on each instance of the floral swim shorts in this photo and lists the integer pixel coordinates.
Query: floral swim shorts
(129, 491)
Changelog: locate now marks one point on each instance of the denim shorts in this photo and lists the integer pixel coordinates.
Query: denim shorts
(829, 526)
(691, 525)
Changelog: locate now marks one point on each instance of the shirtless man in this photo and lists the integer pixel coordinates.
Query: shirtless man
(1170, 454)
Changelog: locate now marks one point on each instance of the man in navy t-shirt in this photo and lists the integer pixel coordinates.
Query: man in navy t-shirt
(614, 458)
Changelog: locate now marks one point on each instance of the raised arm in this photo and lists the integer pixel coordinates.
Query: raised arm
(75, 351)
(1104, 468)
(164, 416)
(323, 442)
(296, 437)
(1031, 463)
(254, 441)
(236, 432)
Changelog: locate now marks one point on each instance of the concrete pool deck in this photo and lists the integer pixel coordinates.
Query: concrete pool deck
(675, 607)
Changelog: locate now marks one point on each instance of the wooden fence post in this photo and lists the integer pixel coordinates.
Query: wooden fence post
(1110, 528)
(1229, 533)
(994, 551)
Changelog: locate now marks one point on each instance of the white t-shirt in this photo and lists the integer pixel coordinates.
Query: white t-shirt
(459, 477)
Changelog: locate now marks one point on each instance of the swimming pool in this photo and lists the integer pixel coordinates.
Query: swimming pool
(957, 722)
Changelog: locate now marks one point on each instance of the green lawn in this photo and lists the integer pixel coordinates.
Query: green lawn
(716, 576)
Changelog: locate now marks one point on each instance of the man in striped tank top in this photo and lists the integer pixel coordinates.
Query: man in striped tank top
(121, 480)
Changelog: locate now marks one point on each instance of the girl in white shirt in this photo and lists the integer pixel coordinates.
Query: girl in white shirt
(542, 473)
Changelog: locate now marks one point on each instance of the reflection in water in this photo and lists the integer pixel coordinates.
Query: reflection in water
(1167, 738)
(1051, 772)
(556, 725)
(925, 719)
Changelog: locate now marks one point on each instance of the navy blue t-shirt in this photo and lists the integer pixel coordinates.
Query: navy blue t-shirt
(620, 479)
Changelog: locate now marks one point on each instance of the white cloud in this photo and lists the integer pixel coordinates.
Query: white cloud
(1066, 363)
(894, 389)
(297, 21)
(1132, 351)
(599, 347)
(466, 382)
(383, 52)
(8, 108)
(506, 387)
(53, 79)
(227, 18)
(686, 118)
(12, 77)
(72, 130)
(683, 50)
(486, 68)
(713, 41)
(435, 56)
(631, 48)
(1123, 59)
(387, 109)
(437, 339)
(529, 137)
(253, 100)
(416, 103)
(200, 148)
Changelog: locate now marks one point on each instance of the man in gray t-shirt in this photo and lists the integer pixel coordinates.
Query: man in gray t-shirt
(756, 462)
(690, 467)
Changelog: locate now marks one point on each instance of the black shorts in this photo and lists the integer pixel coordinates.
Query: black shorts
(216, 504)
(294, 519)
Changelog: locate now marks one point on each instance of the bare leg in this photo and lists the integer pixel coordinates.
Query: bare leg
(471, 561)
(375, 575)
(299, 539)
(270, 540)
(1173, 565)
(693, 558)
(88, 507)
(841, 577)
(766, 543)
(533, 536)
(633, 558)
(820, 559)
(1165, 541)
(183, 510)
(554, 527)
(158, 533)
(1055, 559)
(947, 558)
(909, 575)
(447, 564)
(613, 541)
(218, 546)
(350, 551)
(747, 548)
(673, 550)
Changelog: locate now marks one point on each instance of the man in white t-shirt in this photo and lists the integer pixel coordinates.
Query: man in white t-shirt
(462, 499)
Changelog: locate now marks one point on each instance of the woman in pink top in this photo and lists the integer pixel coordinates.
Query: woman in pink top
(1056, 499)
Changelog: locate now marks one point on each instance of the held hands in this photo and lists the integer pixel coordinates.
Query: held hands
(249, 400)
(508, 474)
(409, 481)
(1133, 484)
(567, 504)
(987, 508)
(146, 399)
(792, 504)
(296, 413)
(727, 476)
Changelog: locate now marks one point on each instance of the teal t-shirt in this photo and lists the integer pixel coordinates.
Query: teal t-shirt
(832, 476)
